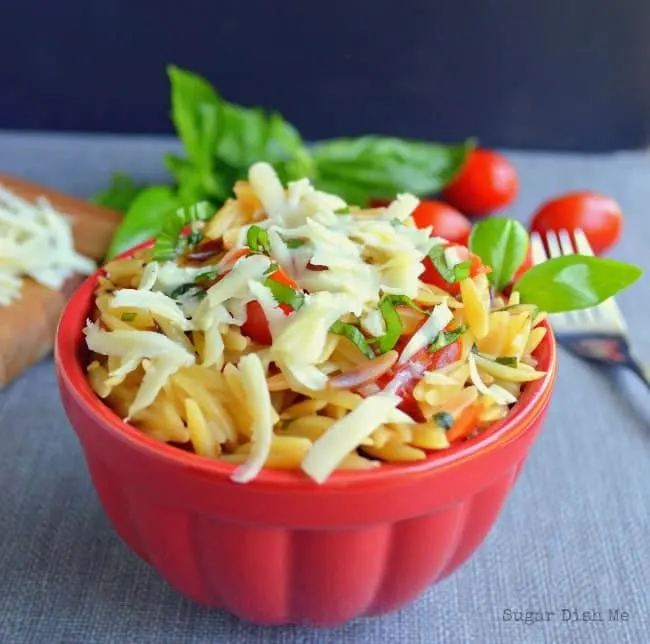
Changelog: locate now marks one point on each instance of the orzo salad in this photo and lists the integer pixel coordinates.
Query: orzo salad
(292, 330)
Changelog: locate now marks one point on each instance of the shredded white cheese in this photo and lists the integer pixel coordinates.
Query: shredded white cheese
(347, 434)
(35, 241)
(153, 301)
(163, 358)
(254, 383)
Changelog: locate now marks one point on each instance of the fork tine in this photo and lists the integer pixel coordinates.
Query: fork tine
(552, 244)
(607, 311)
(565, 242)
(582, 243)
(537, 248)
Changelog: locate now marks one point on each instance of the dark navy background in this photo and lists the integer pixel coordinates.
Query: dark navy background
(556, 74)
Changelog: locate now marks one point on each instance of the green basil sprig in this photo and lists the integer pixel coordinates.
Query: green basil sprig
(557, 285)
(222, 140)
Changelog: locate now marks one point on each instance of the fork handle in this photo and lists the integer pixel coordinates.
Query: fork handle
(643, 371)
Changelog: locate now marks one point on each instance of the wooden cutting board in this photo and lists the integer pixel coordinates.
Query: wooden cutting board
(27, 327)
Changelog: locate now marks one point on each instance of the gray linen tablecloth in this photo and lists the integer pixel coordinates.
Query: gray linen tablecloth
(573, 535)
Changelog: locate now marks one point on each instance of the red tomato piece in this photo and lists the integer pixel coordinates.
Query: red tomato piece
(402, 379)
(487, 182)
(447, 222)
(256, 326)
(598, 216)
(433, 277)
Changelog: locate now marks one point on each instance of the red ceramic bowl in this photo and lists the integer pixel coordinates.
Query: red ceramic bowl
(282, 549)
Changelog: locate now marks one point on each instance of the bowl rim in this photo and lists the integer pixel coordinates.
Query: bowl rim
(69, 342)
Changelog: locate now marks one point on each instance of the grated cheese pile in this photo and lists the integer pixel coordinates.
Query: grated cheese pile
(35, 241)
(367, 254)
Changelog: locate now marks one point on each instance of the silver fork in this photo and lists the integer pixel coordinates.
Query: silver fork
(598, 334)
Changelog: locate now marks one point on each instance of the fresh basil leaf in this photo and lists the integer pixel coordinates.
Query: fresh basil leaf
(507, 361)
(120, 194)
(284, 294)
(295, 243)
(443, 419)
(574, 282)
(392, 322)
(128, 316)
(250, 134)
(355, 336)
(501, 243)
(257, 239)
(195, 185)
(445, 338)
(381, 167)
(144, 218)
(197, 114)
(345, 210)
(168, 242)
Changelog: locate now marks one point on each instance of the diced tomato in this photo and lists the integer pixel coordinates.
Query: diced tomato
(256, 326)
(464, 424)
(402, 379)
(433, 277)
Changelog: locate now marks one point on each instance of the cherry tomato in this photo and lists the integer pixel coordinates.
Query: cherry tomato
(256, 326)
(433, 277)
(404, 377)
(598, 216)
(447, 222)
(486, 183)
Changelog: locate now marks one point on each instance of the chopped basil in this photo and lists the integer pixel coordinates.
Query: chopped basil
(208, 276)
(355, 336)
(295, 243)
(345, 210)
(445, 338)
(284, 294)
(169, 243)
(392, 322)
(507, 361)
(451, 275)
(405, 300)
(462, 270)
(257, 239)
(443, 419)
(194, 238)
(188, 289)
(129, 316)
